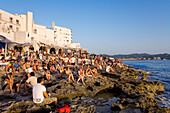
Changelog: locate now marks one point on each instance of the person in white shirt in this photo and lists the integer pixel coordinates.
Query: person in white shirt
(109, 69)
(40, 96)
(73, 61)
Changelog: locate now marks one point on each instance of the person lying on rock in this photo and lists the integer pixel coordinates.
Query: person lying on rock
(30, 82)
(8, 82)
(40, 96)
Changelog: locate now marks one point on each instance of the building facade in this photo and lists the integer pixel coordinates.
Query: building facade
(22, 29)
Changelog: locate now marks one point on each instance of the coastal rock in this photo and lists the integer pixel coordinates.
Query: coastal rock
(117, 107)
(70, 90)
(27, 106)
(134, 93)
(82, 109)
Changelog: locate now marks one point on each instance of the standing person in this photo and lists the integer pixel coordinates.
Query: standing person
(41, 55)
(19, 57)
(81, 76)
(73, 60)
(2, 50)
(40, 96)
(98, 59)
(16, 53)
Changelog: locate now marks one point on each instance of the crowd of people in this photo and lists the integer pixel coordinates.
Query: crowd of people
(72, 67)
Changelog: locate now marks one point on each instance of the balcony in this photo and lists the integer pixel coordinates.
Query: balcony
(6, 20)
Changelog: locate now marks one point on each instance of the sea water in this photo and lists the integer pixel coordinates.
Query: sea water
(159, 71)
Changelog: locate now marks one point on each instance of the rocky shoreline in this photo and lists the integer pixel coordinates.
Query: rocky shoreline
(136, 94)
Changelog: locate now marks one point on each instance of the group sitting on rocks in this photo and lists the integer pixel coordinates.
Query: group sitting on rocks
(29, 70)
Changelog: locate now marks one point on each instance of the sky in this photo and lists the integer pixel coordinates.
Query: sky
(105, 26)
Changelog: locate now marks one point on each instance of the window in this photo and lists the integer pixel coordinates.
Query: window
(32, 38)
(35, 31)
(10, 27)
(10, 19)
(17, 29)
(17, 21)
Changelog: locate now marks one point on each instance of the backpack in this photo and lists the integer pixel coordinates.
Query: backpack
(65, 109)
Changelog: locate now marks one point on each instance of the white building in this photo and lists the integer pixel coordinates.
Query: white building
(22, 29)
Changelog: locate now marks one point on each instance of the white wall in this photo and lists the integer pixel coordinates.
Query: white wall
(75, 45)
(63, 36)
(57, 36)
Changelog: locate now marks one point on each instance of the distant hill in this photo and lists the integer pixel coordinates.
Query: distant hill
(143, 55)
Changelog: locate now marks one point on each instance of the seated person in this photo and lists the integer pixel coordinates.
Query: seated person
(69, 74)
(91, 72)
(99, 67)
(45, 67)
(16, 67)
(40, 96)
(47, 75)
(4, 65)
(22, 81)
(40, 66)
(120, 64)
(36, 65)
(60, 70)
(109, 68)
(94, 71)
(30, 82)
(52, 69)
(10, 65)
(81, 76)
(27, 65)
(8, 82)
(88, 70)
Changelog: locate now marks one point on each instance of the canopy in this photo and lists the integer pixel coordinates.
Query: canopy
(27, 44)
(6, 41)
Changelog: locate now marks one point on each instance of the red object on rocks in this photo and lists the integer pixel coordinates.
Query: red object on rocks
(65, 109)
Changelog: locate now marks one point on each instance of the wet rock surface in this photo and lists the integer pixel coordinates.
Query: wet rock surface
(128, 94)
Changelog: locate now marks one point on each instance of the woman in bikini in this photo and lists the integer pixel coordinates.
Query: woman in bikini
(81, 76)
(69, 74)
